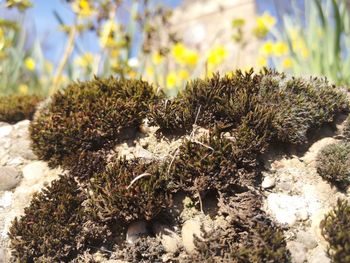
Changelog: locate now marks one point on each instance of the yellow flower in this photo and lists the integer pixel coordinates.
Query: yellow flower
(280, 48)
(299, 46)
(85, 61)
(83, 8)
(183, 74)
(171, 80)
(287, 63)
(267, 48)
(217, 56)
(230, 74)
(183, 55)
(150, 71)
(23, 89)
(262, 61)
(29, 63)
(109, 30)
(157, 58)
(263, 25)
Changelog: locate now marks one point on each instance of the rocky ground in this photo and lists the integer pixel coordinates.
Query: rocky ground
(295, 195)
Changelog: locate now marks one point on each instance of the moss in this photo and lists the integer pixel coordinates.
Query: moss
(346, 131)
(89, 116)
(333, 164)
(292, 106)
(335, 228)
(247, 236)
(113, 197)
(211, 163)
(53, 226)
(14, 108)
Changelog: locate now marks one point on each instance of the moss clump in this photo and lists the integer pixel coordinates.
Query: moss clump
(333, 164)
(14, 108)
(89, 116)
(335, 228)
(52, 228)
(212, 163)
(247, 236)
(292, 106)
(128, 190)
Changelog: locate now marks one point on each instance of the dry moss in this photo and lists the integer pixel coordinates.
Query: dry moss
(115, 197)
(54, 226)
(335, 228)
(89, 116)
(14, 108)
(333, 164)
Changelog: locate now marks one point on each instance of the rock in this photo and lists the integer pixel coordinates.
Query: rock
(15, 161)
(142, 153)
(21, 148)
(171, 243)
(307, 239)
(22, 124)
(135, 230)
(5, 130)
(2, 255)
(9, 178)
(189, 229)
(6, 199)
(318, 255)
(298, 251)
(34, 172)
(268, 182)
(310, 157)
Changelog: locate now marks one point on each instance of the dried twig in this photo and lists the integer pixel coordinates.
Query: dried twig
(137, 178)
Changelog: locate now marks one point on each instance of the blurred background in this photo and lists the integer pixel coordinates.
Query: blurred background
(44, 45)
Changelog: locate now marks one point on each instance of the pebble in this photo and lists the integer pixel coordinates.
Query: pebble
(34, 171)
(5, 130)
(268, 182)
(21, 148)
(298, 251)
(9, 178)
(171, 243)
(189, 229)
(6, 199)
(318, 255)
(135, 230)
(307, 239)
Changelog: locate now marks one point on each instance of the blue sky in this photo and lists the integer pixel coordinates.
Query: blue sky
(40, 20)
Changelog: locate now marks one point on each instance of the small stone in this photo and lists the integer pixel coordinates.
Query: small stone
(21, 148)
(15, 161)
(9, 178)
(34, 172)
(298, 251)
(307, 239)
(268, 182)
(171, 243)
(135, 230)
(318, 255)
(6, 199)
(22, 124)
(142, 153)
(2, 255)
(5, 130)
(189, 229)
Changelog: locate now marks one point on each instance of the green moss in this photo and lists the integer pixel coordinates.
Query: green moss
(52, 227)
(333, 164)
(292, 106)
(89, 116)
(115, 197)
(14, 108)
(212, 163)
(335, 228)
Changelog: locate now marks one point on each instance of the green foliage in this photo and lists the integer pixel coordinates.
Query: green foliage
(89, 116)
(118, 194)
(333, 164)
(335, 229)
(52, 228)
(274, 105)
(14, 108)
